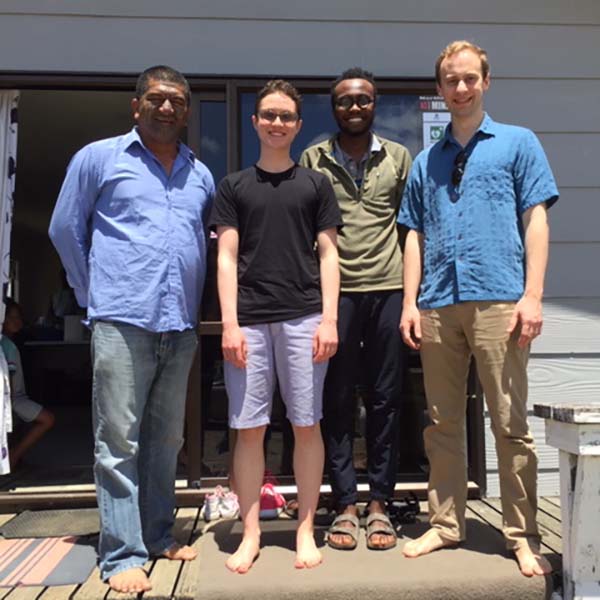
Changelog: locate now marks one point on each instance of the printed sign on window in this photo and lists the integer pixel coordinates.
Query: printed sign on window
(434, 126)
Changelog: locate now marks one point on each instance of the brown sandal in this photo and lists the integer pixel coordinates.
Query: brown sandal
(337, 528)
(383, 526)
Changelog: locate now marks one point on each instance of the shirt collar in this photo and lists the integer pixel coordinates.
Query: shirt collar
(133, 137)
(488, 127)
(262, 175)
(374, 146)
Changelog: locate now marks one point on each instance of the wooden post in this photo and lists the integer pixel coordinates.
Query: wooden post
(575, 431)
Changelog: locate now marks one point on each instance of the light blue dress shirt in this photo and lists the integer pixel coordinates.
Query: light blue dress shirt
(473, 234)
(132, 239)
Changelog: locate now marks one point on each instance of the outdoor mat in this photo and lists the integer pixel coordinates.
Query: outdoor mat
(52, 523)
(46, 561)
(479, 569)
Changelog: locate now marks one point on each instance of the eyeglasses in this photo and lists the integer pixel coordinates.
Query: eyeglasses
(348, 101)
(459, 168)
(271, 116)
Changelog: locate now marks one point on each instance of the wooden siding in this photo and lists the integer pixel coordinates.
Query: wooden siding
(572, 270)
(582, 12)
(552, 379)
(311, 46)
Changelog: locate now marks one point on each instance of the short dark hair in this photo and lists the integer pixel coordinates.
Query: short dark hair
(279, 86)
(161, 73)
(354, 73)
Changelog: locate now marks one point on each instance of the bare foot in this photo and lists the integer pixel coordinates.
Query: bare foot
(532, 563)
(179, 552)
(343, 539)
(428, 542)
(243, 558)
(131, 580)
(307, 553)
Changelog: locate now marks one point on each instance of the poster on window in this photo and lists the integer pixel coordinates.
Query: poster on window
(434, 126)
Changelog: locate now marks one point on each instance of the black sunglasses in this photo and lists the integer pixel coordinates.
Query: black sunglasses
(348, 101)
(459, 168)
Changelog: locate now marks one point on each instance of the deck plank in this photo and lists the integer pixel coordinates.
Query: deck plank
(547, 526)
(489, 509)
(188, 586)
(58, 592)
(165, 573)
(554, 500)
(93, 589)
(24, 593)
(550, 508)
(471, 514)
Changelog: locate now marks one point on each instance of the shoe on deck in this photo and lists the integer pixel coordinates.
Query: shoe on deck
(272, 502)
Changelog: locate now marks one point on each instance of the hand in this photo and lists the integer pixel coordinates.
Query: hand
(528, 311)
(235, 349)
(325, 342)
(410, 326)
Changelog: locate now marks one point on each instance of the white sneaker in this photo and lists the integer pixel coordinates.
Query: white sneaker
(229, 506)
(211, 509)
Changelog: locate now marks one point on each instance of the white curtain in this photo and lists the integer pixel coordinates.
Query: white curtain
(9, 101)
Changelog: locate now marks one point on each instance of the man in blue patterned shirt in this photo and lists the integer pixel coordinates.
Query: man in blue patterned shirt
(475, 204)
(130, 228)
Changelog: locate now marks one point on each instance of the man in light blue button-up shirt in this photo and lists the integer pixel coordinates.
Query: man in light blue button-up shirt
(130, 228)
(475, 256)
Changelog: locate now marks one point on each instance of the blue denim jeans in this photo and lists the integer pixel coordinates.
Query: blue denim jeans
(139, 390)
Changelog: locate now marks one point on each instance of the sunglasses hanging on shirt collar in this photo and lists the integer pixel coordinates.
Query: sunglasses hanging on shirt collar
(459, 168)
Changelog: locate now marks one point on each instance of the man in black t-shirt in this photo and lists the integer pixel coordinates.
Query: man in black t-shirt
(278, 279)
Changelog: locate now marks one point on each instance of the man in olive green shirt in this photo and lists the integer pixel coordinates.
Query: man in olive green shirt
(368, 174)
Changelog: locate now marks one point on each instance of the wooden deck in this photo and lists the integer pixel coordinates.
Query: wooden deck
(176, 580)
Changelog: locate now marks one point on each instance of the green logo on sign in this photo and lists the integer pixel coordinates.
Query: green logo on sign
(436, 133)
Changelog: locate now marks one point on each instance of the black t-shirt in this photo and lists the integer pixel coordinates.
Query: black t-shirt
(278, 217)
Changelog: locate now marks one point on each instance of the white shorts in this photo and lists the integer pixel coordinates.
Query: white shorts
(282, 350)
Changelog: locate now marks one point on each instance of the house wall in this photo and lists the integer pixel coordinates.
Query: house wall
(545, 75)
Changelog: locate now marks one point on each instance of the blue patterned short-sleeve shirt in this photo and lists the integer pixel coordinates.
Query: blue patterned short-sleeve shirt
(473, 235)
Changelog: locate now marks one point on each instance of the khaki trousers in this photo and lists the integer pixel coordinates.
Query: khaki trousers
(450, 335)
